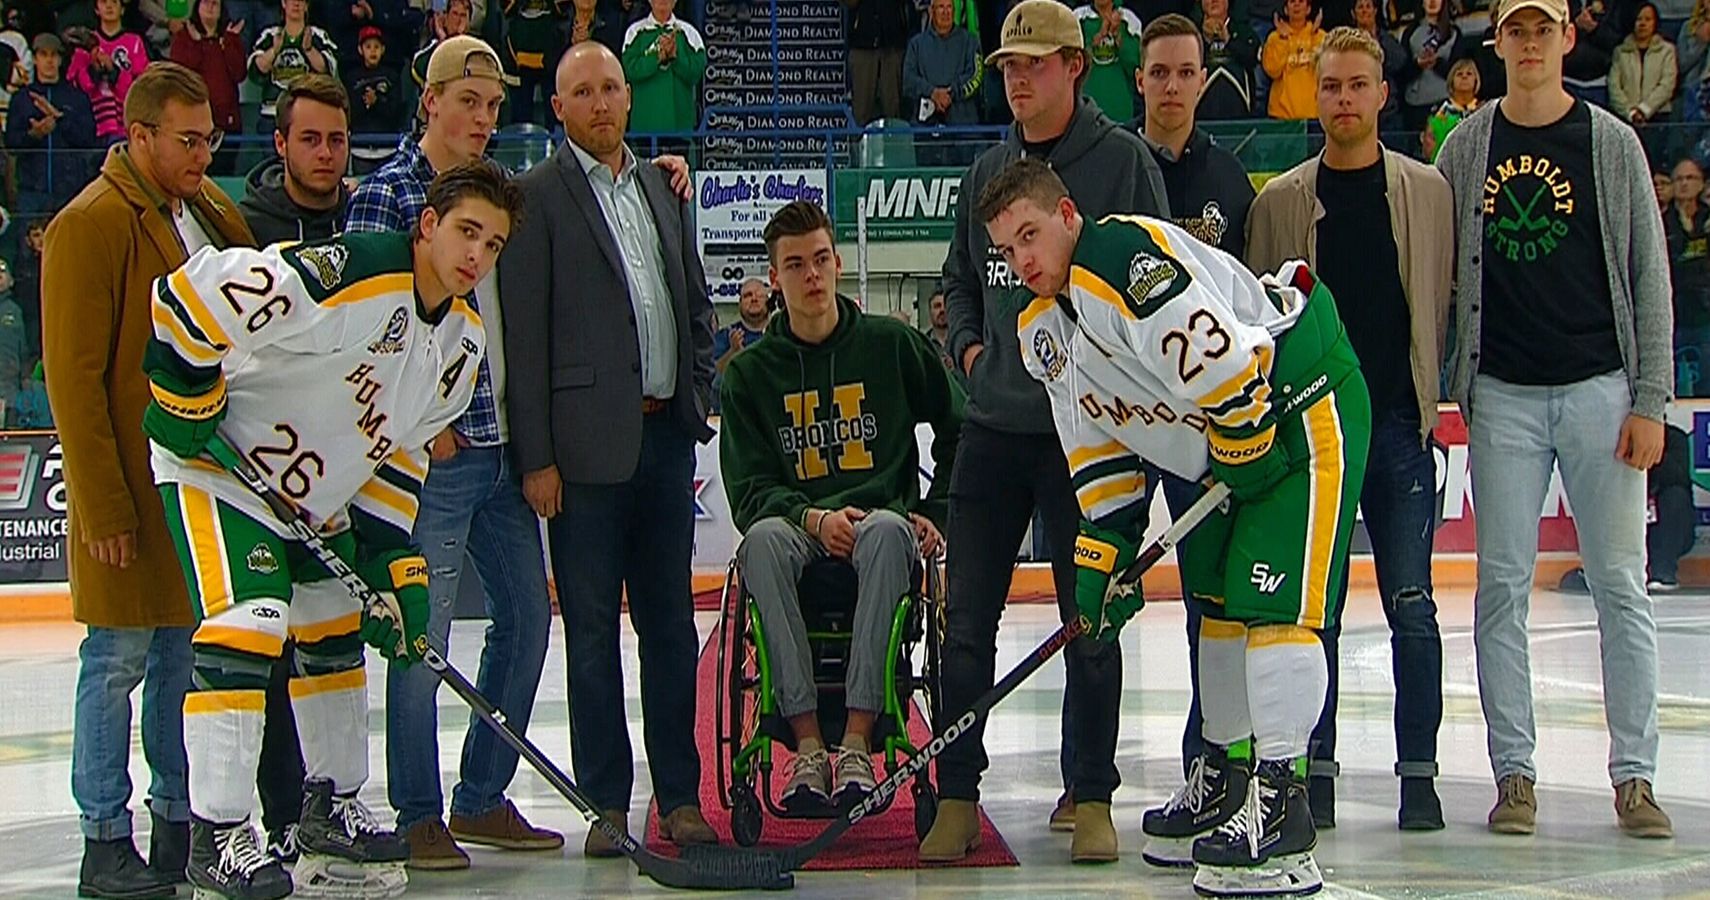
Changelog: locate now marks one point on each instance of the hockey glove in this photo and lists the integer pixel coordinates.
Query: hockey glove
(181, 419)
(1101, 555)
(400, 618)
(1253, 480)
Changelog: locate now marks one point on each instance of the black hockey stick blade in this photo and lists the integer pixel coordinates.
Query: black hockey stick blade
(793, 858)
(699, 868)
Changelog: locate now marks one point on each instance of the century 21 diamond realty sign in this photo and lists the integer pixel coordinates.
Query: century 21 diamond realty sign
(902, 204)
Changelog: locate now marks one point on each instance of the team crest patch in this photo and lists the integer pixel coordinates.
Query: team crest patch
(393, 340)
(1052, 359)
(261, 561)
(327, 260)
(1153, 280)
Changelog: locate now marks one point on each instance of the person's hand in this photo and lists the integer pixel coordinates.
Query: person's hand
(1101, 556)
(581, 32)
(443, 446)
(1637, 116)
(1585, 21)
(926, 535)
(117, 551)
(544, 491)
(103, 59)
(738, 337)
(1282, 27)
(941, 98)
(41, 128)
(969, 355)
(174, 26)
(46, 108)
(235, 27)
(678, 168)
(835, 530)
(1217, 31)
(317, 59)
(1427, 59)
(1641, 442)
(1318, 20)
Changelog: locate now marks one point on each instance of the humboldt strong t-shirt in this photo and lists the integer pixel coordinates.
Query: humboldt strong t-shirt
(1547, 318)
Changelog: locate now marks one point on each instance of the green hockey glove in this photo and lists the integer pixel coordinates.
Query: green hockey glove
(181, 419)
(1101, 555)
(395, 624)
(1253, 480)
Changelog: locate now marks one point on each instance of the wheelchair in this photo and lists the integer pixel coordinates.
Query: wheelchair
(748, 723)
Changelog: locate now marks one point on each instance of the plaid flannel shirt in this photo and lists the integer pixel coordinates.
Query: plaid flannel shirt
(392, 199)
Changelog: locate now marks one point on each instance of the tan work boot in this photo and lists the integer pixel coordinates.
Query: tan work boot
(1095, 834)
(955, 833)
(1063, 817)
(505, 828)
(596, 846)
(685, 825)
(1516, 809)
(1637, 810)
(432, 848)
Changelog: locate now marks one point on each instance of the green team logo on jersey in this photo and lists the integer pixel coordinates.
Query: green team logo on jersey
(261, 560)
(1153, 280)
(327, 262)
(1528, 207)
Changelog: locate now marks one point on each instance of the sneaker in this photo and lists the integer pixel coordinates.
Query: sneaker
(505, 828)
(1662, 584)
(282, 844)
(433, 849)
(1063, 816)
(1637, 810)
(1516, 809)
(809, 780)
(854, 775)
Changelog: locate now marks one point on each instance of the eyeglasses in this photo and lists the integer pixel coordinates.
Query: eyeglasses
(191, 141)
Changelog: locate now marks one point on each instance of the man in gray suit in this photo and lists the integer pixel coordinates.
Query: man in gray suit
(610, 350)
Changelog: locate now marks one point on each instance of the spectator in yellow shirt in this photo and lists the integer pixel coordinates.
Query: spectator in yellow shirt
(1288, 59)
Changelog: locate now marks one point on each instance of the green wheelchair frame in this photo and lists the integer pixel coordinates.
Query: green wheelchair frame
(746, 710)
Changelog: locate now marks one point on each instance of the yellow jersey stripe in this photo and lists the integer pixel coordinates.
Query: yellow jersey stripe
(207, 543)
(190, 348)
(314, 632)
(199, 702)
(1277, 635)
(198, 310)
(371, 287)
(1324, 505)
(1083, 280)
(1081, 457)
(461, 307)
(228, 637)
(383, 493)
(1125, 485)
(348, 680)
(1221, 630)
(1039, 307)
(407, 464)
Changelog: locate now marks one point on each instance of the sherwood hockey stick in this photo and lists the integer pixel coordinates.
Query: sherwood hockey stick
(699, 868)
(793, 858)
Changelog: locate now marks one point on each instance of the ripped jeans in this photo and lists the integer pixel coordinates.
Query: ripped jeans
(472, 510)
(1399, 507)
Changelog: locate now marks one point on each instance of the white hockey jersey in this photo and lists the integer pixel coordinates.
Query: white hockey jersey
(335, 380)
(1159, 350)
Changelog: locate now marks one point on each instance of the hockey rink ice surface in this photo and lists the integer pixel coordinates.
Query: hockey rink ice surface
(1577, 851)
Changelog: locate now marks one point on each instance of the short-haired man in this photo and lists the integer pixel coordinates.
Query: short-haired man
(328, 366)
(48, 127)
(1257, 387)
(941, 79)
(1209, 194)
(1373, 224)
(151, 206)
(753, 310)
(855, 499)
(1008, 463)
(1551, 368)
(472, 506)
(300, 194)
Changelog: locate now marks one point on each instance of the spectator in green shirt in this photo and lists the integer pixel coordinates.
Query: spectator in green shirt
(664, 59)
(1113, 48)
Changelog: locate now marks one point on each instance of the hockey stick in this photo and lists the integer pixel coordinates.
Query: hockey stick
(793, 858)
(700, 867)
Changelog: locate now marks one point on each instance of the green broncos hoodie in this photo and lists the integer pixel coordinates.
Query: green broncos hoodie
(832, 424)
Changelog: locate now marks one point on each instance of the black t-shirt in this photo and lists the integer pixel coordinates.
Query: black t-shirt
(1548, 317)
(1358, 262)
(1689, 265)
(1041, 149)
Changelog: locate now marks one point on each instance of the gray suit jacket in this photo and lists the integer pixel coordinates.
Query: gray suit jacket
(573, 367)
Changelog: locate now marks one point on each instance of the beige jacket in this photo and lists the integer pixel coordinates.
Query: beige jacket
(1283, 225)
(1645, 81)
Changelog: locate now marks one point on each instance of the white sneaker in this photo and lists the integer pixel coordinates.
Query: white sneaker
(809, 777)
(854, 773)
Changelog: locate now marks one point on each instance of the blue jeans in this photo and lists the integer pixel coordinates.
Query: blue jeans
(636, 535)
(472, 504)
(113, 662)
(1514, 434)
(1399, 502)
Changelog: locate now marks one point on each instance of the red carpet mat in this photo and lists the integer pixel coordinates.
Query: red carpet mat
(883, 841)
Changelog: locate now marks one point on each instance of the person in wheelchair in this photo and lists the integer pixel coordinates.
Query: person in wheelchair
(819, 458)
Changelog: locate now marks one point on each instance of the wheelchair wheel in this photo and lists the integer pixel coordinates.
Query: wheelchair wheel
(729, 637)
(746, 821)
(925, 807)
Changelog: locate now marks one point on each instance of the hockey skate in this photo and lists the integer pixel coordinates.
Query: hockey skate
(345, 852)
(228, 863)
(1265, 849)
(1216, 787)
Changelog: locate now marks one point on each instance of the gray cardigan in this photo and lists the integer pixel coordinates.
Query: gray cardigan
(1633, 249)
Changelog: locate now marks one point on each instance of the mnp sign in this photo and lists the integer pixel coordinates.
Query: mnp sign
(902, 204)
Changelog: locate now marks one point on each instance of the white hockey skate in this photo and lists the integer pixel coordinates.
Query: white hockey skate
(1292, 875)
(346, 855)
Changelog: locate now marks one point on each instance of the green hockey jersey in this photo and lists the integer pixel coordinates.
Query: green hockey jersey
(663, 93)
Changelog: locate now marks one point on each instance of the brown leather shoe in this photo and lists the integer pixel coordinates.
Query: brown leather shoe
(1637, 810)
(1063, 816)
(505, 828)
(1516, 809)
(686, 826)
(432, 848)
(596, 846)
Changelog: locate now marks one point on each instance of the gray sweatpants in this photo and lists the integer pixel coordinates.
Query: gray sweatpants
(772, 556)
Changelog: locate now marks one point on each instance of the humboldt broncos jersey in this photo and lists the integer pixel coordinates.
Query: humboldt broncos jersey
(1160, 349)
(335, 380)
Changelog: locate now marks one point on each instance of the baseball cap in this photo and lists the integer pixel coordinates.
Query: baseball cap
(1038, 28)
(465, 56)
(369, 31)
(1554, 10)
(47, 40)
